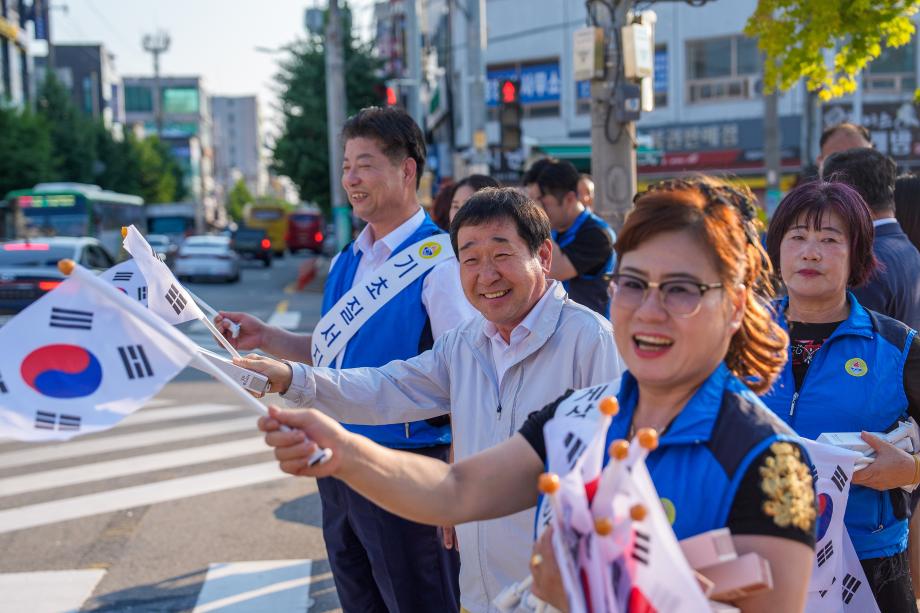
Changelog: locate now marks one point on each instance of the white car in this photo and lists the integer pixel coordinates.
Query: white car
(207, 257)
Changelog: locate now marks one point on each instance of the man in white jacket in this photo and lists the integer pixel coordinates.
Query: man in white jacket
(530, 344)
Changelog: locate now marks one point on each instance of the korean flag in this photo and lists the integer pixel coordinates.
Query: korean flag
(78, 361)
(128, 278)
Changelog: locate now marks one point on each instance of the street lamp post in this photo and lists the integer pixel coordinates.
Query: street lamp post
(156, 44)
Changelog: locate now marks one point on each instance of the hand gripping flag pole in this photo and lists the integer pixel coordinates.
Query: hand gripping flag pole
(70, 268)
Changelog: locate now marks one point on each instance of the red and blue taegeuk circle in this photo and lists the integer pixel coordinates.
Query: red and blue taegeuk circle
(62, 371)
(825, 514)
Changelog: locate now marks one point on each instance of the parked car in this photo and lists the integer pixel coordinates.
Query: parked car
(164, 247)
(305, 230)
(208, 257)
(28, 267)
(253, 244)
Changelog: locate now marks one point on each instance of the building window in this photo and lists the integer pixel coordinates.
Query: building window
(138, 99)
(180, 100)
(723, 69)
(894, 71)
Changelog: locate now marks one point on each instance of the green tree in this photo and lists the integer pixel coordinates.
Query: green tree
(155, 177)
(301, 152)
(73, 140)
(25, 143)
(238, 198)
(794, 34)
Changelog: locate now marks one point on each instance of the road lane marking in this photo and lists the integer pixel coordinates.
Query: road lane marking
(282, 318)
(66, 509)
(254, 587)
(47, 591)
(85, 473)
(119, 442)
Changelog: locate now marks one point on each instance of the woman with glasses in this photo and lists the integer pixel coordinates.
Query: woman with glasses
(691, 324)
(849, 369)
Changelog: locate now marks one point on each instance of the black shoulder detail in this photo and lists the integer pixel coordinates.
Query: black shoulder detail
(892, 330)
(740, 426)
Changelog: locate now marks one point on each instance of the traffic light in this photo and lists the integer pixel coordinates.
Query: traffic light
(509, 115)
(392, 94)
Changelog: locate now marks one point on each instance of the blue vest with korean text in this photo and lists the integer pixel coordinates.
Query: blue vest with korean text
(400, 330)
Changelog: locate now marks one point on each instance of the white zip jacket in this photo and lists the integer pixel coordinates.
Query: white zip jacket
(569, 347)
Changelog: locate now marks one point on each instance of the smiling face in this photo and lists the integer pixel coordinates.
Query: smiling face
(815, 264)
(501, 278)
(379, 190)
(660, 349)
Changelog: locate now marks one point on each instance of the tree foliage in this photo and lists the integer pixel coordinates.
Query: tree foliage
(795, 35)
(25, 144)
(238, 198)
(302, 150)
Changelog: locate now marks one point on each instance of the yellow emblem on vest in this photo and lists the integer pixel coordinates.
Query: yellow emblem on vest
(429, 250)
(856, 367)
(786, 482)
(669, 509)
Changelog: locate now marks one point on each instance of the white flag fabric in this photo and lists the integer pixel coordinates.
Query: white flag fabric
(166, 297)
(851, 594)
(128, 278)
(77, 361)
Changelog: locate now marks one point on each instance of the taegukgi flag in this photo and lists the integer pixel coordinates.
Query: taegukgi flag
(128, 278)
(165, 295)
(77, 361)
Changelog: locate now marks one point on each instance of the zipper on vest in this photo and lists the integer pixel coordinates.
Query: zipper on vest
(795, 397)
(407, 429)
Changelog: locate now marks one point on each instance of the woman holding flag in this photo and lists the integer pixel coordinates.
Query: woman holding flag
(691, 323)
(849, 370)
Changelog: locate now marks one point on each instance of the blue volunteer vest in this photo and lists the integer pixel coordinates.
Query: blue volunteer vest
(564, 239)
(398, 331)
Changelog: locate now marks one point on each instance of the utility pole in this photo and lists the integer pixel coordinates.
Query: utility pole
(156, 45)
(771, 150)
(476, 68)
(336, 102)
(613, 149)
(414, 62)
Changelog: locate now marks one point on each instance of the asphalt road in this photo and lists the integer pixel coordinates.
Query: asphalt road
(179, 508)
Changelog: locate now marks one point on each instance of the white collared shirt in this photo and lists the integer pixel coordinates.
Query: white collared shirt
(442, 293)
(885, 221)
(505, 354)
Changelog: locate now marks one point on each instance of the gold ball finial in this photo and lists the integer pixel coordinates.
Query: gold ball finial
(548, 483)
(603, 526)
(648, 438)
(124, 231)
(619, 449)
(609, 406)
(638, 512)
(66, 266)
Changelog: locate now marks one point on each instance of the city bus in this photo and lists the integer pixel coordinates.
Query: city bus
(273, 218)
(71, 209)
(174, 219)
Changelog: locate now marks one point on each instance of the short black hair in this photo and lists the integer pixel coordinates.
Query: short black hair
(398, 134)
(846, 125)
(477, 182)
(868, 171)
(535, 169)
(498, 203)
(559, 178)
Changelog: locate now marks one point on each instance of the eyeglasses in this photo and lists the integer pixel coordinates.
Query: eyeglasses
(679, 298)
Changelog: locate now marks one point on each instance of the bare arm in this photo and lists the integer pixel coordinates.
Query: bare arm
(415, 487)
(790, 563)
(561, 267)
(256, 334)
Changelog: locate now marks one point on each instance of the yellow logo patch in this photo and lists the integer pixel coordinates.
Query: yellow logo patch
(856, 367)
(669, 509)
(429, 250)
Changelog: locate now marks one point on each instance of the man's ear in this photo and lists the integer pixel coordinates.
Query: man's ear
(410, 170)
(545, 253)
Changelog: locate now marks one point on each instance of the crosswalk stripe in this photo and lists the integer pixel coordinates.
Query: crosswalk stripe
(86, 473)
(66, 509)
(148, 416)
(47, 591)
(253, 587)
(118, 442)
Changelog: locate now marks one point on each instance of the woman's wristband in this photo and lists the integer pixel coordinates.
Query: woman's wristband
(916, 479)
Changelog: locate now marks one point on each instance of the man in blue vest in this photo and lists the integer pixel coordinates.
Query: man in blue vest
(381, 562)
(583, 256)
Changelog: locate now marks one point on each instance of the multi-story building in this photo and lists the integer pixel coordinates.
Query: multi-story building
(88, 71)
(238, 144)
(186, 128)
(16, 87)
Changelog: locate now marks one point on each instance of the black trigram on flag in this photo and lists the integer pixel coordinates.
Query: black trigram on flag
(825, 554)
(814, 473)
(142, 293)
(45, 420)
(69, 318)
(839, 478)
(175, 299)
(3, 389)
(574, 446)
(850, 585)
(823, 593)
(135, 361)
(123, 276)
(642, 547)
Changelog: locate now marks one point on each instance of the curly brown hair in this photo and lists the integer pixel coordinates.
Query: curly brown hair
(722, 216)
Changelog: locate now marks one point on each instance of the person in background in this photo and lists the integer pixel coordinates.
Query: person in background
(466, 188)
(894, 290)
(440, 209)
(529, 180)
(840, 137)
(850, 369)
(583, 250)
(586, 191)
(907, 206)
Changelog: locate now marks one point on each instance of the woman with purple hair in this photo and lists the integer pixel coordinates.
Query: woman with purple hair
(849, 369)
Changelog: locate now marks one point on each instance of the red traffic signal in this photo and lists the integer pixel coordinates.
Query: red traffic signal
(391, 96)
(509, 92)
